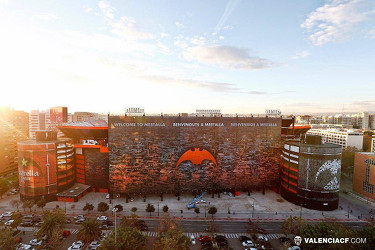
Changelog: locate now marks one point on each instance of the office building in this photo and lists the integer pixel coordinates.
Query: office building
(364, 174)
(342, 137)
(13, 128)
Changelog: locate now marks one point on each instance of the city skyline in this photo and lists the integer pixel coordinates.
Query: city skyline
(237, 56)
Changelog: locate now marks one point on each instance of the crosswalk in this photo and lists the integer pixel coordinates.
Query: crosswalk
(228, 235)
(196, 235)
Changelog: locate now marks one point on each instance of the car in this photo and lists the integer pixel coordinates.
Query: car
(74, 247)
(262, 237)
(193, 241)
(221, 240)
(206, 243)
(35, 242)
(27, 223)
(247, 243)
(251, 248)
(18, 239)
(204, 238)
(39, 224)
(79, 217)
(244, 238)
(104, 227)
(9, 222)
(36, 219)
(294, 248)
(6, 214)
(108, 196)
(78, 243)
(102, 218)
(24, 247)
(94, 245)
(79, 221)
(66, 233)
(68, 221)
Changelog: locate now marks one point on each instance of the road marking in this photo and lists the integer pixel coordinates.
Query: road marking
(75, 231)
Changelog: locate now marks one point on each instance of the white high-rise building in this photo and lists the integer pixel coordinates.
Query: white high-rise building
(343, 137)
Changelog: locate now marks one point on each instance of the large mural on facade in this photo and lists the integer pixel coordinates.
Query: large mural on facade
(156, 154)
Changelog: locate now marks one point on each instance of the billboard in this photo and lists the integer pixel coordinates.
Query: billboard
(164, 154)
(37, 169)
(319, 168)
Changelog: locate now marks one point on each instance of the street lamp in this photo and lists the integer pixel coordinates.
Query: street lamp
(115, 209)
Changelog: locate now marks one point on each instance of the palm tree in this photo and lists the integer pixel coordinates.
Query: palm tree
(89, 230)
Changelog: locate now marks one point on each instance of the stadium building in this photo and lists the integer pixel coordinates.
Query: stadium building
(147, 155)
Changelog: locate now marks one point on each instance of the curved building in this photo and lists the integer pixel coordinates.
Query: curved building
(45, 166)
(310, 173)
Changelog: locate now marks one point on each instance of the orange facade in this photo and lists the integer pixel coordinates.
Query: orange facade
(364, 174)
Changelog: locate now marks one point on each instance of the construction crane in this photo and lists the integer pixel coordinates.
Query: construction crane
(193, 203)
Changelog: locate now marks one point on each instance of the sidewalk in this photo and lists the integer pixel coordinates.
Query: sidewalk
(268, 207)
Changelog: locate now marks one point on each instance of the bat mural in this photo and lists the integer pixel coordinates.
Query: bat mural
(161, 154)
(196, 156)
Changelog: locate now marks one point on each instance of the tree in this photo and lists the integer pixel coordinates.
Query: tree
(28, 204)
(55, 239)
(196, 210)
(17, 217)
(4, 187)
(89, 207)
(347, 159)
(368, 232)
(53, 222)
(173, 239)
(150, 208)
(252, 228)
(168, 223)
(15, 204)
(327, 230)
(212, 211)
(293, 225)
(129, 238)
(119, 208)
(134, 210)
(7, 240)
(41, 203)
(103, 207)
(165, 208)
(89, 230)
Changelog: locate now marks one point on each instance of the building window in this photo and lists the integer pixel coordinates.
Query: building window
(367, 187)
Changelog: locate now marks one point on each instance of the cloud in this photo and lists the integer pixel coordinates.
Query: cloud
(226, 57)
(213, 86)
(336, 19)
(4, 1)
(371, 34)
(127, 29)
(179, 25)
(228, 27)
(47, 17)
(302, 54)
(181, 44)
(221, 87)
(107, 9)
(229, 8)
(257, 93)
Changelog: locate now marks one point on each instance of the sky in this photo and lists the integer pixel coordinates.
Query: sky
(170, 56)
